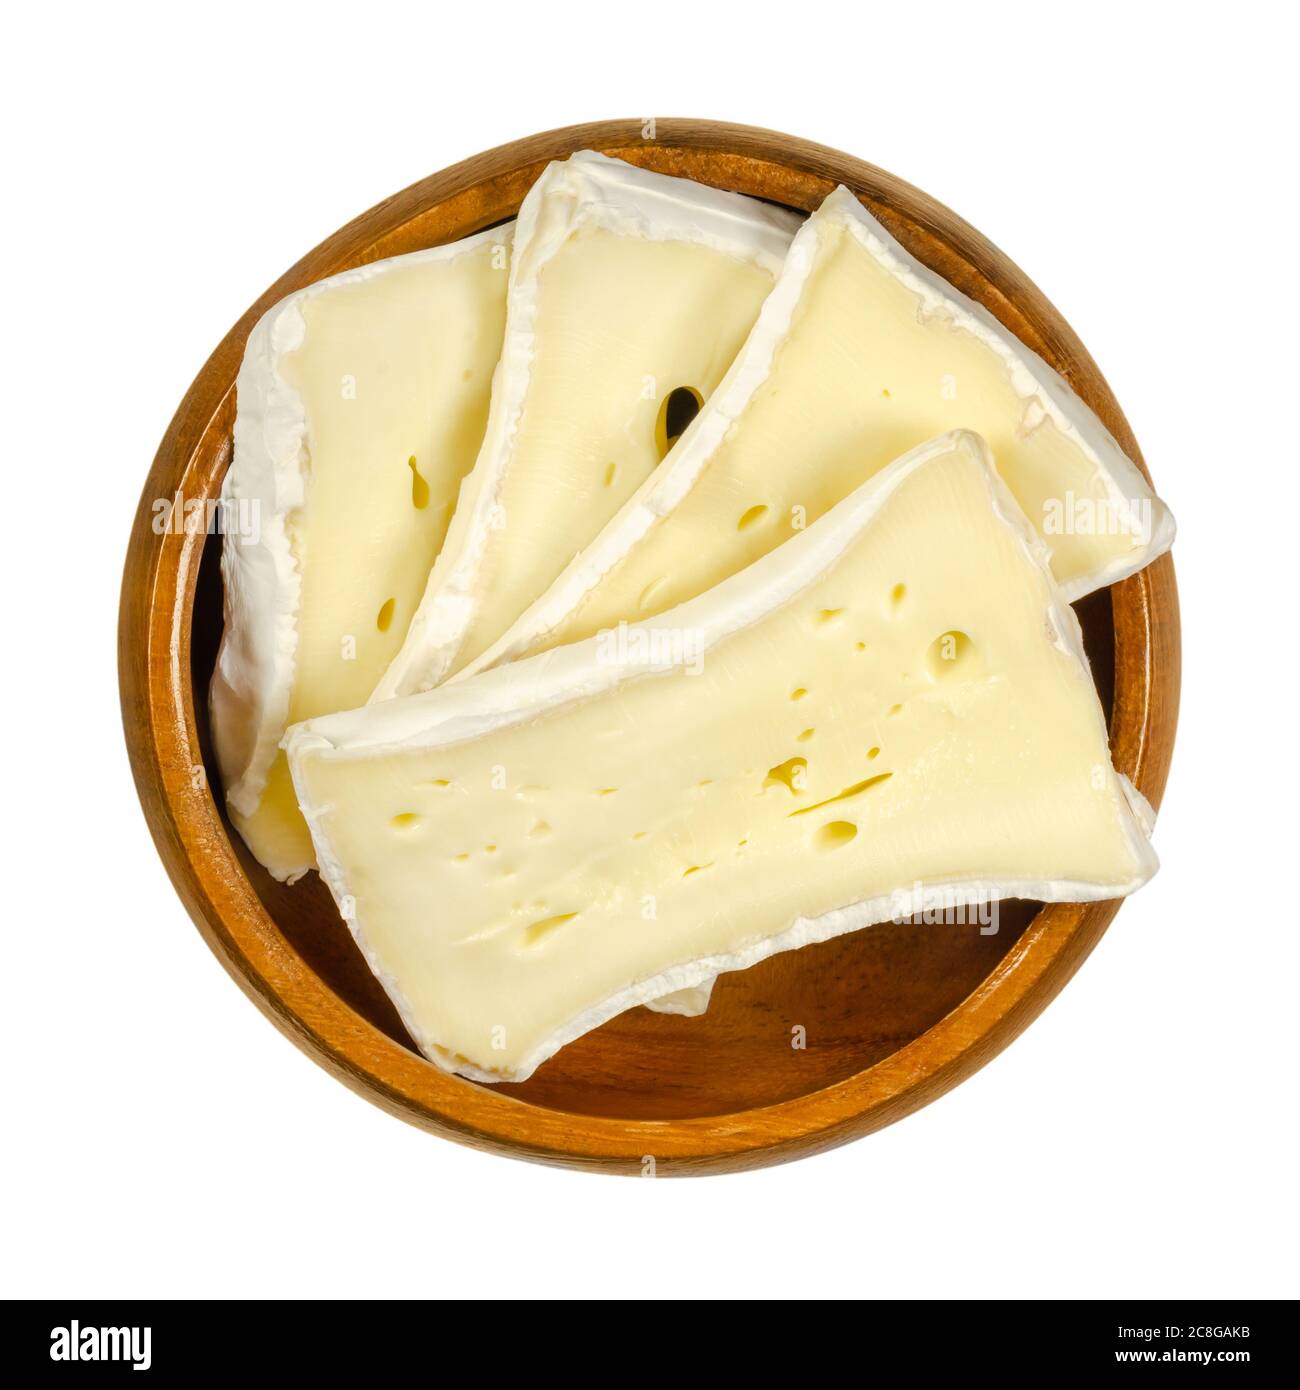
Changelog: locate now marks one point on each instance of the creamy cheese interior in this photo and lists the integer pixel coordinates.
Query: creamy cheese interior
(630, 294)
(895, 699)
(622, 324)
(871, 365)
(393, 375)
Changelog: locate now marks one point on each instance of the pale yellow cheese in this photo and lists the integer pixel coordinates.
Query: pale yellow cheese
(892, 707)
(859, 356)
(362, 404)
(629, 291)
(622, 324)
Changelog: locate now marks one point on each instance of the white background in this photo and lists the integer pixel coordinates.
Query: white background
(164, 165)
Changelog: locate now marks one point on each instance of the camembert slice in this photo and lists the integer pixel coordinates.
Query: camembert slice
(362, 402)
(860, 354)
(630, 293)
(890, 711)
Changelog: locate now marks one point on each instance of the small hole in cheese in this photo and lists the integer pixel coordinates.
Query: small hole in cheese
(405, 821)
(385, 619)
(679, 407)
(752, 517)
(789, 774)
(835, 835)
(537, 932)
(419, 488)
(855, 790)
(948, 653)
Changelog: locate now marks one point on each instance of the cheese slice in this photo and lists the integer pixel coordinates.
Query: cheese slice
(860, 353)
(630, 293)
(890, 713)
(362, 402)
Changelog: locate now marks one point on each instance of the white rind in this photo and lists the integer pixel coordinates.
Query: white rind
(585, 190)
(686, 1003)
(519, 692)
(1038, 385)
(253, 681)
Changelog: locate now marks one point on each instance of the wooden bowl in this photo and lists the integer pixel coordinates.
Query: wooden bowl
(893, 1016)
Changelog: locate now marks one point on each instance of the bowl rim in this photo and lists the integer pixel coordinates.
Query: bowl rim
(158, 589)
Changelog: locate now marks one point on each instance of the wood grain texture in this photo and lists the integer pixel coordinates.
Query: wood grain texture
(894, 1015)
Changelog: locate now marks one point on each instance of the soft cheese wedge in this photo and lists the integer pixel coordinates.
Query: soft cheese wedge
(860, 354)
(630, 294)
(890, 712)
(362, 402)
